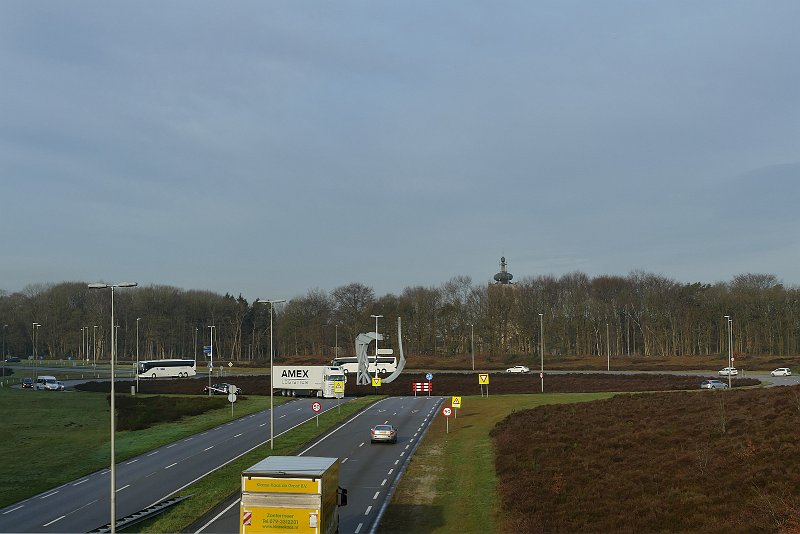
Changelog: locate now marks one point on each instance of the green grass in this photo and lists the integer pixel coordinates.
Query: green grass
(451, 482)
(55, 437)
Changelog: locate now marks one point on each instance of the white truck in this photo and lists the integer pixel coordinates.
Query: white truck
(309, 380)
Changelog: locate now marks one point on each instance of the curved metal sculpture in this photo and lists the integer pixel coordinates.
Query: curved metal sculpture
(363, 378)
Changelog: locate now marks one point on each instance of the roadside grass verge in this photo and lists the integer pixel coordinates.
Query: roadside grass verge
(226, 481)
(54, 437)
(450, 484)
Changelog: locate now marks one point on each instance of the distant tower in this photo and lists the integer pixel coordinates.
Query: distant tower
(503, 277)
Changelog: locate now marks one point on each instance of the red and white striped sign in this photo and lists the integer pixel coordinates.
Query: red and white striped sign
(247, 517)
(421, 386)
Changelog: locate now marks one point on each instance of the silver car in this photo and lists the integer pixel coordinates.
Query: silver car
(713, 384)
(782, 371)
(385, 433)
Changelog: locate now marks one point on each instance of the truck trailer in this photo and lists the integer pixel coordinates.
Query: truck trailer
(298, 494)
(309, 380)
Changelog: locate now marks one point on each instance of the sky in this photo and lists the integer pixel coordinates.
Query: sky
(271, 148)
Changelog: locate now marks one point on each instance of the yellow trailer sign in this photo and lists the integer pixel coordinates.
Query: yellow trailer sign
(280, 485)
(297, 520)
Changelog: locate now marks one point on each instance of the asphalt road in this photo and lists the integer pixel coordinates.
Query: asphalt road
(84, 504)
(369, 472)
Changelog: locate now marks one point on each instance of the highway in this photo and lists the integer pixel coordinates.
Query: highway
(369, 472)
(84, 504)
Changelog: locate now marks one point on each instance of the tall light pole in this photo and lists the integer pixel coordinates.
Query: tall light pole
(35, 328)
(113, 392)
(5, 336)
(608, 348)
(195, 346)
(730, 342)
(472, 343)
(211, 360)
(271, 373)
(94, 348)
(137, 353)
(376, 344)
(335, 342)
(541, 348)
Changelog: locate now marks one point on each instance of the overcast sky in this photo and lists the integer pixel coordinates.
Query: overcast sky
(268, 148)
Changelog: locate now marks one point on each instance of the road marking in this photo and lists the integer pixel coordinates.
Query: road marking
(384, 482)
(343, 461)
(188, 439)
(358, 528)
(263, 424)
(152, 453)
(281, 417)
(204, 433)
(53, 521)
(362, 443)
(396, 462)
(48, 495)
(208, 448)
(168, 446)
(376, 495)
(81, 481)
(123, 487)
(407, 446)
(390, 471)
(395, 413)
(13, 509)
(369, 508)
(132, 462)
(403, 453)
(237, 435)
(171, 465)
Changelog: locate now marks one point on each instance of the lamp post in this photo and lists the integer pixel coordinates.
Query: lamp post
(137, 353)
(472, 343)
(195, 346)
(608, 348)
(376, 344)
(211, 360)
(335, 342)
(94, 348)
(271, 411)
(730, 342)
(113, 392)
(5, 335)
(35, 329)
(541, 348)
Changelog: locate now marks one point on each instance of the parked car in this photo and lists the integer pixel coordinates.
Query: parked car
(518, 369)
(713, 384)
(27, 383)
(13, 359)
(48, 383)
(61, 386)
(222, 389)
(385, 433)
(782, 371)
(728, 371)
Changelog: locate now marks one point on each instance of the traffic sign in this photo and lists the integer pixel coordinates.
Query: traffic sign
(483, 378)
(231, 397)
(230, 364)
(376, 381)
(247, 517)
(207, 349)
(316, 407)
(428, 377)
(338, 386)
(447, 411)
(456, 402)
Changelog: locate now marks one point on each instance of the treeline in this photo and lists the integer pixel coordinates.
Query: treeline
(639, 314)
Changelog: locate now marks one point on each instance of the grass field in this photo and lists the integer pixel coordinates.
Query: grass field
(450, 485)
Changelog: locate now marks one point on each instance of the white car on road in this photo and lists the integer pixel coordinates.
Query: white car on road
(782, 371)
(728, 371)
(518, 369)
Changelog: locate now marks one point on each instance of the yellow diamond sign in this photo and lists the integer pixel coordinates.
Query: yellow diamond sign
(376, 381)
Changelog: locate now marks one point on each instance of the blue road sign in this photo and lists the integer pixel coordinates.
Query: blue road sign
(207, 349)
(429, 376)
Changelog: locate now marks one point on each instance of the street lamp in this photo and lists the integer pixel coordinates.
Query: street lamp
(541, 348)
(94, 348)
(271, 411)
(5, 335)
(472, 343)
(211, 360)
(35, 329)
(113, 392)
(335, 342)
(376, 343)
(137, 353)
(608, 348)
(730, 342)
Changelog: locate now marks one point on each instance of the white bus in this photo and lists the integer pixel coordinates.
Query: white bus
(386, 364)
(166, 368)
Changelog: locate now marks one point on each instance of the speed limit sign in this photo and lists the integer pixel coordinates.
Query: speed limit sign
(316, 407)
(447, 411)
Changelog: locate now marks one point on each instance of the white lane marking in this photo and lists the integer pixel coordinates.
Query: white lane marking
(376, 495)
(152, 453)
(362, 443)
(386, 422)
(343, 461)
(369, 508)
(132, 462)
(281, 417)
(396, 462)
(407, 446)
(189, 439)
(390, 471)
(263, 424)
(395, 413)
(358, 528)
(403, 453)
(54, 520)
(48, 495)
(204, 433)
(384, 482)
(81, 481)
(123, 487)
(237, 435)
(170, 446)
(208, 448)
(171, 465)
(13, 509)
